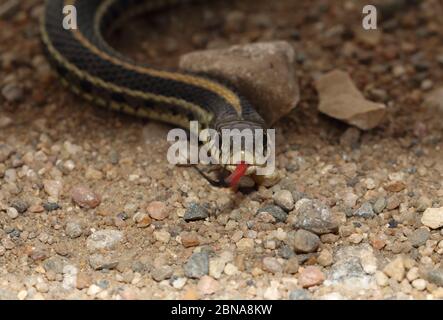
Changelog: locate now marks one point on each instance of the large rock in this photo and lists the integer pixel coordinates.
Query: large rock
(104, 240)
(314, 216)
(263, 72)
(353, 269)
(340, 99)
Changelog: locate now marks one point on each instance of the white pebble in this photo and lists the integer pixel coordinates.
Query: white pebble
(433, 218)
(53, 188)
(12, 213)
(381, 279)
(272, 293)
(419, 284)
(230, 269)
(69, 165)
(284, 200)
(216, 267)
(93, 290)
(22, 295)
(162, 236)
(179, 283)
(42, 287)
(412, 274)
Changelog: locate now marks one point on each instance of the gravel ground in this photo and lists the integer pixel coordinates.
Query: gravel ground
(88, 209)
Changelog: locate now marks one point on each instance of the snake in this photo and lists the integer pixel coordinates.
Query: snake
(87, 64)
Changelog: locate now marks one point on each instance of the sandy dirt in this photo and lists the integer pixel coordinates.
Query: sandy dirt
(52, 141)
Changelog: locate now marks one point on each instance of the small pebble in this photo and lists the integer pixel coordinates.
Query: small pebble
(179, 283)
(216, 267)
(276, 212)
(381, 279)
(189, 239)
(93, 290)
(419, 284)
(272, 265)
(20, 205)
(325, 258)
(380, 205)
(395, 186)
(392, 203)
(85, 197)
(53, 188)
(51, 206)
(310, 276)
(245, 245)
(101, 261)
(436, 276)
(162, 273)
(284, 200)
(207, 286)
(22, 295)
(314, 216)
(195, 212)
(73, 229)
(142, 220)
(433, 218)
(292, 265)
(157, 210)
(93, 174)
(162, 236)
(423, 203)
(42, 287)
(413, 274)
(84, 280)
(395, 269)
(419, 237)
(12, 213)
(365, 211)
(300, 294)
(303, 241)
(197, 265)
(12, 92)
(37, 208)
(272, 293)
(104, 240)
(230, 269)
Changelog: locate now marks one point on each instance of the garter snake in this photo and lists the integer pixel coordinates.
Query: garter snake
(93, 69)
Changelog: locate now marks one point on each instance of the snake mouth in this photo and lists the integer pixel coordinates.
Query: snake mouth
(252, 161)
(239, 171)
(250, 169)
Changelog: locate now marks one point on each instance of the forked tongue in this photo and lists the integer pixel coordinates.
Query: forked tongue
(239, 172)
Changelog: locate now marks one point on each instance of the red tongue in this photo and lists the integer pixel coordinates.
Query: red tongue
(239, 172)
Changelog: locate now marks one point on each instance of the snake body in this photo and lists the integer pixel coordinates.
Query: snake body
(96, 71)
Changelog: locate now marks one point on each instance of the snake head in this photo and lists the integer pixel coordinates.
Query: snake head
(242, 148)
